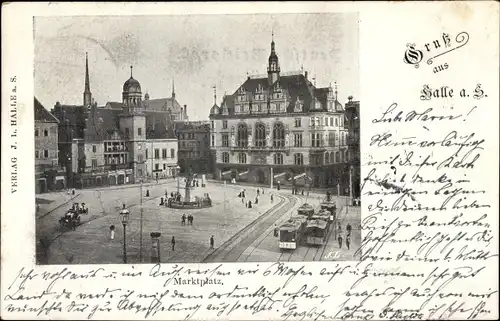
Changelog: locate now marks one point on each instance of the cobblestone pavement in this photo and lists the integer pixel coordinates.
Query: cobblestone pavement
(91, 242)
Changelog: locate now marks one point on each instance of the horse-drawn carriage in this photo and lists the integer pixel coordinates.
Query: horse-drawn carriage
(72, 217)
(80, 208)
(70, 220)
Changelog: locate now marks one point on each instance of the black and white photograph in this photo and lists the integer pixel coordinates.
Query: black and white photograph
(197, 138)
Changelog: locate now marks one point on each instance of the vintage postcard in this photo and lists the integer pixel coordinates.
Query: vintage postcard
(250, 161)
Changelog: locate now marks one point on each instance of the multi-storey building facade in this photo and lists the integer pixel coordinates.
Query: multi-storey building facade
(194, 146)
(46, 153)
(353, 137)
(280, 128)
(118, 143)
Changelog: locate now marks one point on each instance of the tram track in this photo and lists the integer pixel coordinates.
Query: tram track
(232, 249)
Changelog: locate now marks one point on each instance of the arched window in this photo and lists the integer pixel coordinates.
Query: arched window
(242, 135)
(225, 157)
(332, 158)
(337, 157)
(341, 160)
(260, 135)
(278, 159)
(298, 159)
(242, 158)
(278, 135)
(327, 158)
(336, 122)
(346, 156)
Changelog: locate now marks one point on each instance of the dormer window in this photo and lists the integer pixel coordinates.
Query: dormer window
(317, 104)
(298, 105)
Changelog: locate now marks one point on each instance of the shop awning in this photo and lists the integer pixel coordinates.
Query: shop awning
(244, 173)
(279, 175)
(226, 172)
(298, 176)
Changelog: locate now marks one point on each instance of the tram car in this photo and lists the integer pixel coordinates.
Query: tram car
(306, 210)
(317, 228)
(291, 233)
(331, 207)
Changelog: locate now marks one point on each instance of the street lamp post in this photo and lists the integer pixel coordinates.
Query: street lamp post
(125, 217)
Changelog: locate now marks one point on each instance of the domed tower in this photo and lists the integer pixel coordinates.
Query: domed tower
(131, 95)
(133, 126)
(273, 67)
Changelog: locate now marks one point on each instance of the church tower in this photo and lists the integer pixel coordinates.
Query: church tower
(133, 126)
(87, 95)
(273, 67)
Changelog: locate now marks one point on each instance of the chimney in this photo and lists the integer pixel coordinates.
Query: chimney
(185, 111)
(305, 74)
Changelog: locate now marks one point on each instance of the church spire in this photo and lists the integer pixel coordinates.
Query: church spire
(87, 95)
(173, 88)
(215, 95)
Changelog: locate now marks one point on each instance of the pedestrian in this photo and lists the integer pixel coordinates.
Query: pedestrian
(112, 232)
(348, 228)
(258, 191)
(73, 223)
(340, 240)
(348, 241)
(192, 219)
(173, 243)
(272, 199)
(257, 200)
(242, 200)
(302, 192)
(212, 242)
(183, 219)
(262, 191)
(246, 204)
(249, 204)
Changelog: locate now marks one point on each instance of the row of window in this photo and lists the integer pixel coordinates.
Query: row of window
(43, 154)
(127, 132)
(188, 135)
(164, 153)
(278, 140)
(298, 159)
(45, 132)
(259, 108)
(326, 121)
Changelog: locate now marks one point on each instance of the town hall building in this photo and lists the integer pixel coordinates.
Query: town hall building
(280, 129)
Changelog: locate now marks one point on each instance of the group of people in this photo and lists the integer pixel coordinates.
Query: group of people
(295, 191)
(190, 219)
(248, 203)
(212, 242)
(347, 238)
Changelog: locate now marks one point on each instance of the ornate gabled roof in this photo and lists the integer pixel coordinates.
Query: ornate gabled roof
(162, 104)
(294, 87)
(215, 109)
(42, 114)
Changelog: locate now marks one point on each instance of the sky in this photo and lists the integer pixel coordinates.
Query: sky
(196, 52)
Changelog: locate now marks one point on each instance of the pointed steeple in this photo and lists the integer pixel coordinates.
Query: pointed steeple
(173, 88)
(273, 67)
(87, 95)
(215, 95)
